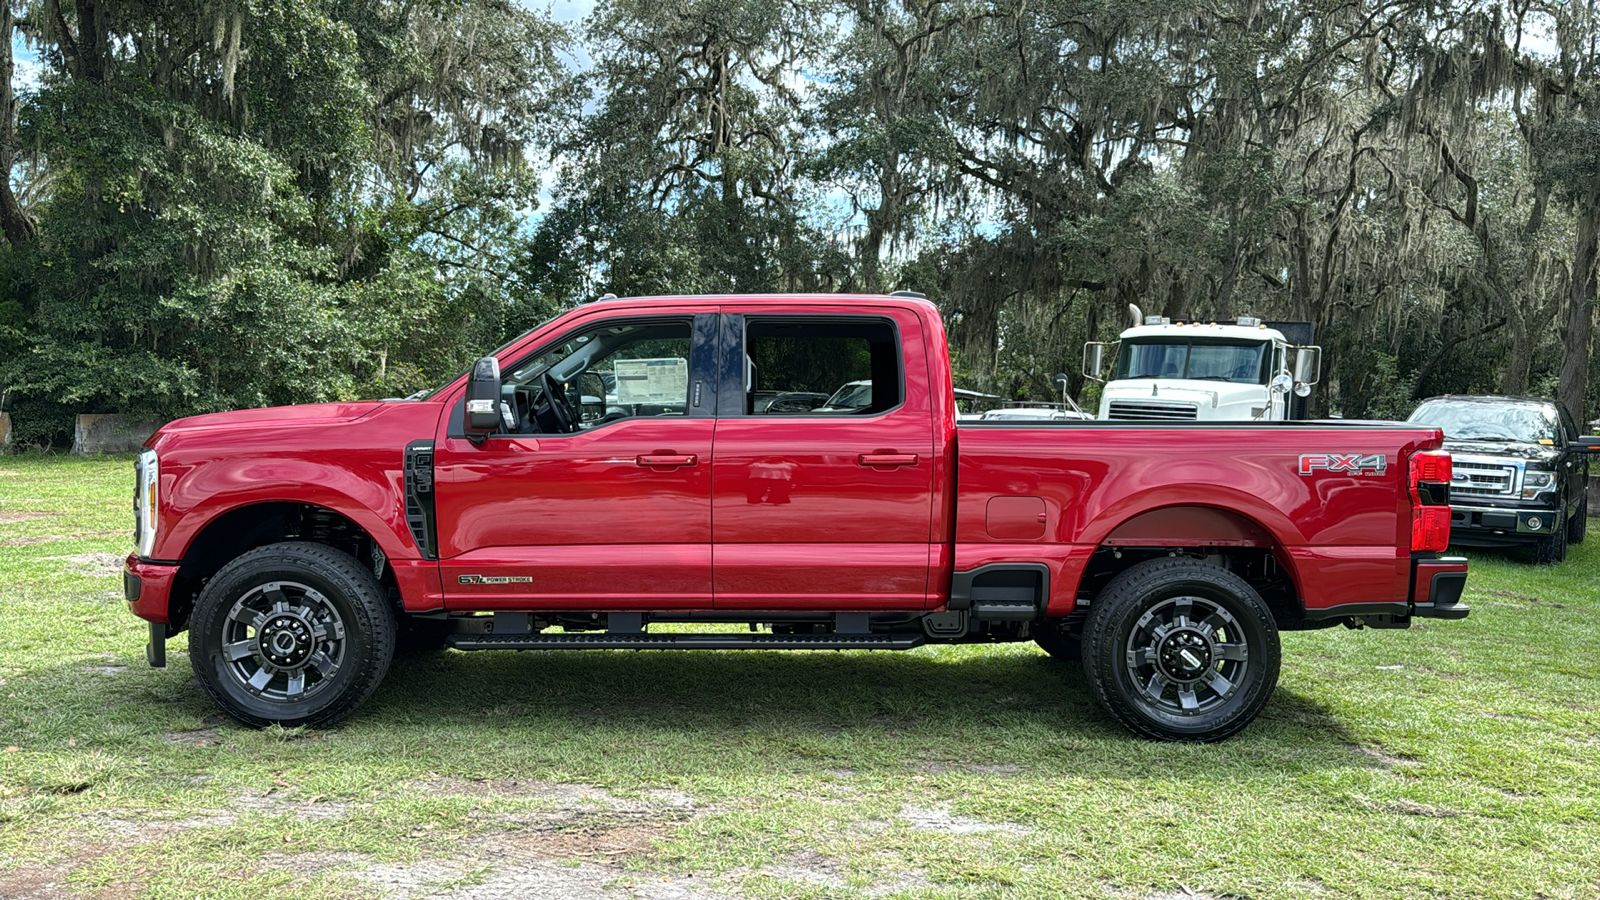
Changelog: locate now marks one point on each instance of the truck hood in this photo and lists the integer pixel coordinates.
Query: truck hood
(1506, 449)
(309, 414)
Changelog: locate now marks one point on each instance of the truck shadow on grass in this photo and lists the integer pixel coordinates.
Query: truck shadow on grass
(986, 708)
(614, 716)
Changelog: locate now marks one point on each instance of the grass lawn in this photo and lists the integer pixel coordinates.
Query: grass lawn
(1456, 759)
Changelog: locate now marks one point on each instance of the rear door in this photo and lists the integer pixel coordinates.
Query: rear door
(827, 507)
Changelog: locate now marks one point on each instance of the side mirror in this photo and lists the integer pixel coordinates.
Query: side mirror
(1307, 364)
(482, 415)
(1094, 359)
(1281, 383)
(1588, 443)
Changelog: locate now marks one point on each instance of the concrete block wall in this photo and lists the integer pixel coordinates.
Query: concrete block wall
(96, 434)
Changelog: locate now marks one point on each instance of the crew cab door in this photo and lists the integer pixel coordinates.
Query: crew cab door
(822, 491)
(610, 511)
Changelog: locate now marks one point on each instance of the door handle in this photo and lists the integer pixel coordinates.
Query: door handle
(888, 460)
(667, 461)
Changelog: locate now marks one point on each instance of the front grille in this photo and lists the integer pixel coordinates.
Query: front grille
(1482, 479)
(1140, 410)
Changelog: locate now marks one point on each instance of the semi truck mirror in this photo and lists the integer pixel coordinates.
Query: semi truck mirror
(1307, 364)
(1094, 356)
(1281, 383)
(482, 414)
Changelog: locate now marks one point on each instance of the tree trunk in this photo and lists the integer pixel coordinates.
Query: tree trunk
(14, 222)
(1574, 387)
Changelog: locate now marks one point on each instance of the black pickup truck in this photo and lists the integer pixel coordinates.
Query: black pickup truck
(1520, 476)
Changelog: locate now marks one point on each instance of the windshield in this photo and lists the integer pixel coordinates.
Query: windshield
(1474, 421)
(1201, 361)
(857, 395)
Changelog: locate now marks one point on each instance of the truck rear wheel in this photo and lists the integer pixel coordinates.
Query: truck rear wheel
(1178, 650)
(1578, 525)
(292, 633)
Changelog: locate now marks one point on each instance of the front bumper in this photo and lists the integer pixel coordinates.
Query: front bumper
(1495, 526)
(147, 587)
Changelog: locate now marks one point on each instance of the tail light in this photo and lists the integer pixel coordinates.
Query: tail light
(1430, 500)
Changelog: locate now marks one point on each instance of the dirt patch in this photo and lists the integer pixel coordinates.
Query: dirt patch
(519, 865)
(12, 518)
(1525, 598)
(1385, 758)
(579, 842)
(270, 804)
(94, 565)
(108, 670)
(205, 737)
(941, 820)
(810, 867)
(570, 800)
(30, 541)
(312, 863)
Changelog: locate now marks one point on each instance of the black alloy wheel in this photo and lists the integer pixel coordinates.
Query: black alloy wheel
(1180, 650)
(291, 633)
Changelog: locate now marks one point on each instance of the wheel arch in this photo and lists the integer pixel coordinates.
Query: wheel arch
(240, 529)
(1222, 535)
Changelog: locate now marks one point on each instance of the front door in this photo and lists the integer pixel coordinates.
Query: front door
(596, 492)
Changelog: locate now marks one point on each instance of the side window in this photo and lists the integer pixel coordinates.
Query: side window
(821, 367)
(600, 375)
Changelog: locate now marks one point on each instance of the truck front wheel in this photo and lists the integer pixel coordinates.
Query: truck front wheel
(1551, 548)
(292, 633)
(1178, 650)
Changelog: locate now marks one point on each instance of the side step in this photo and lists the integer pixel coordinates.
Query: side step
(608, 641)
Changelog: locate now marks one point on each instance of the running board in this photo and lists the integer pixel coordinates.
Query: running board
(690, 641)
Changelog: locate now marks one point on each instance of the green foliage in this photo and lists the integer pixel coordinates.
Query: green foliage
(291, 206)
(239, 202)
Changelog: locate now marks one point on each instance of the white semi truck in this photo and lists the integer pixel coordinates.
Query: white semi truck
(1175, 371)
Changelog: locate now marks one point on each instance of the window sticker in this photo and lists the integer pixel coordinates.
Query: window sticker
(652, 380)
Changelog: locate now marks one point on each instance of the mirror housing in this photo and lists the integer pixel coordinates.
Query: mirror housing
(481, 413)
(1307, 364)
(1589, 443)
(1094, 359)
(1281, 383)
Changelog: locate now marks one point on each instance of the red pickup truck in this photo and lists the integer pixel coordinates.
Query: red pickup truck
(609, 473)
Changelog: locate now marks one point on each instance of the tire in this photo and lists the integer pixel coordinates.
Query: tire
(1178, 650)
(1552, 548)
(1062, 645)
(1578, 525)
(293, 634)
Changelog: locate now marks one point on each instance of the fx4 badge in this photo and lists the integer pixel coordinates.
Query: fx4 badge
(495, 579)
(1346, 463)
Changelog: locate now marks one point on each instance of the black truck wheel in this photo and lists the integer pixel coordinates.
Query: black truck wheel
(1178, 650)
(1551, 548)
(1578, 525)
(292, 633)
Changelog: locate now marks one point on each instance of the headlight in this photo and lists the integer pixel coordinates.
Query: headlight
(146, 500)
(1537, 481)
